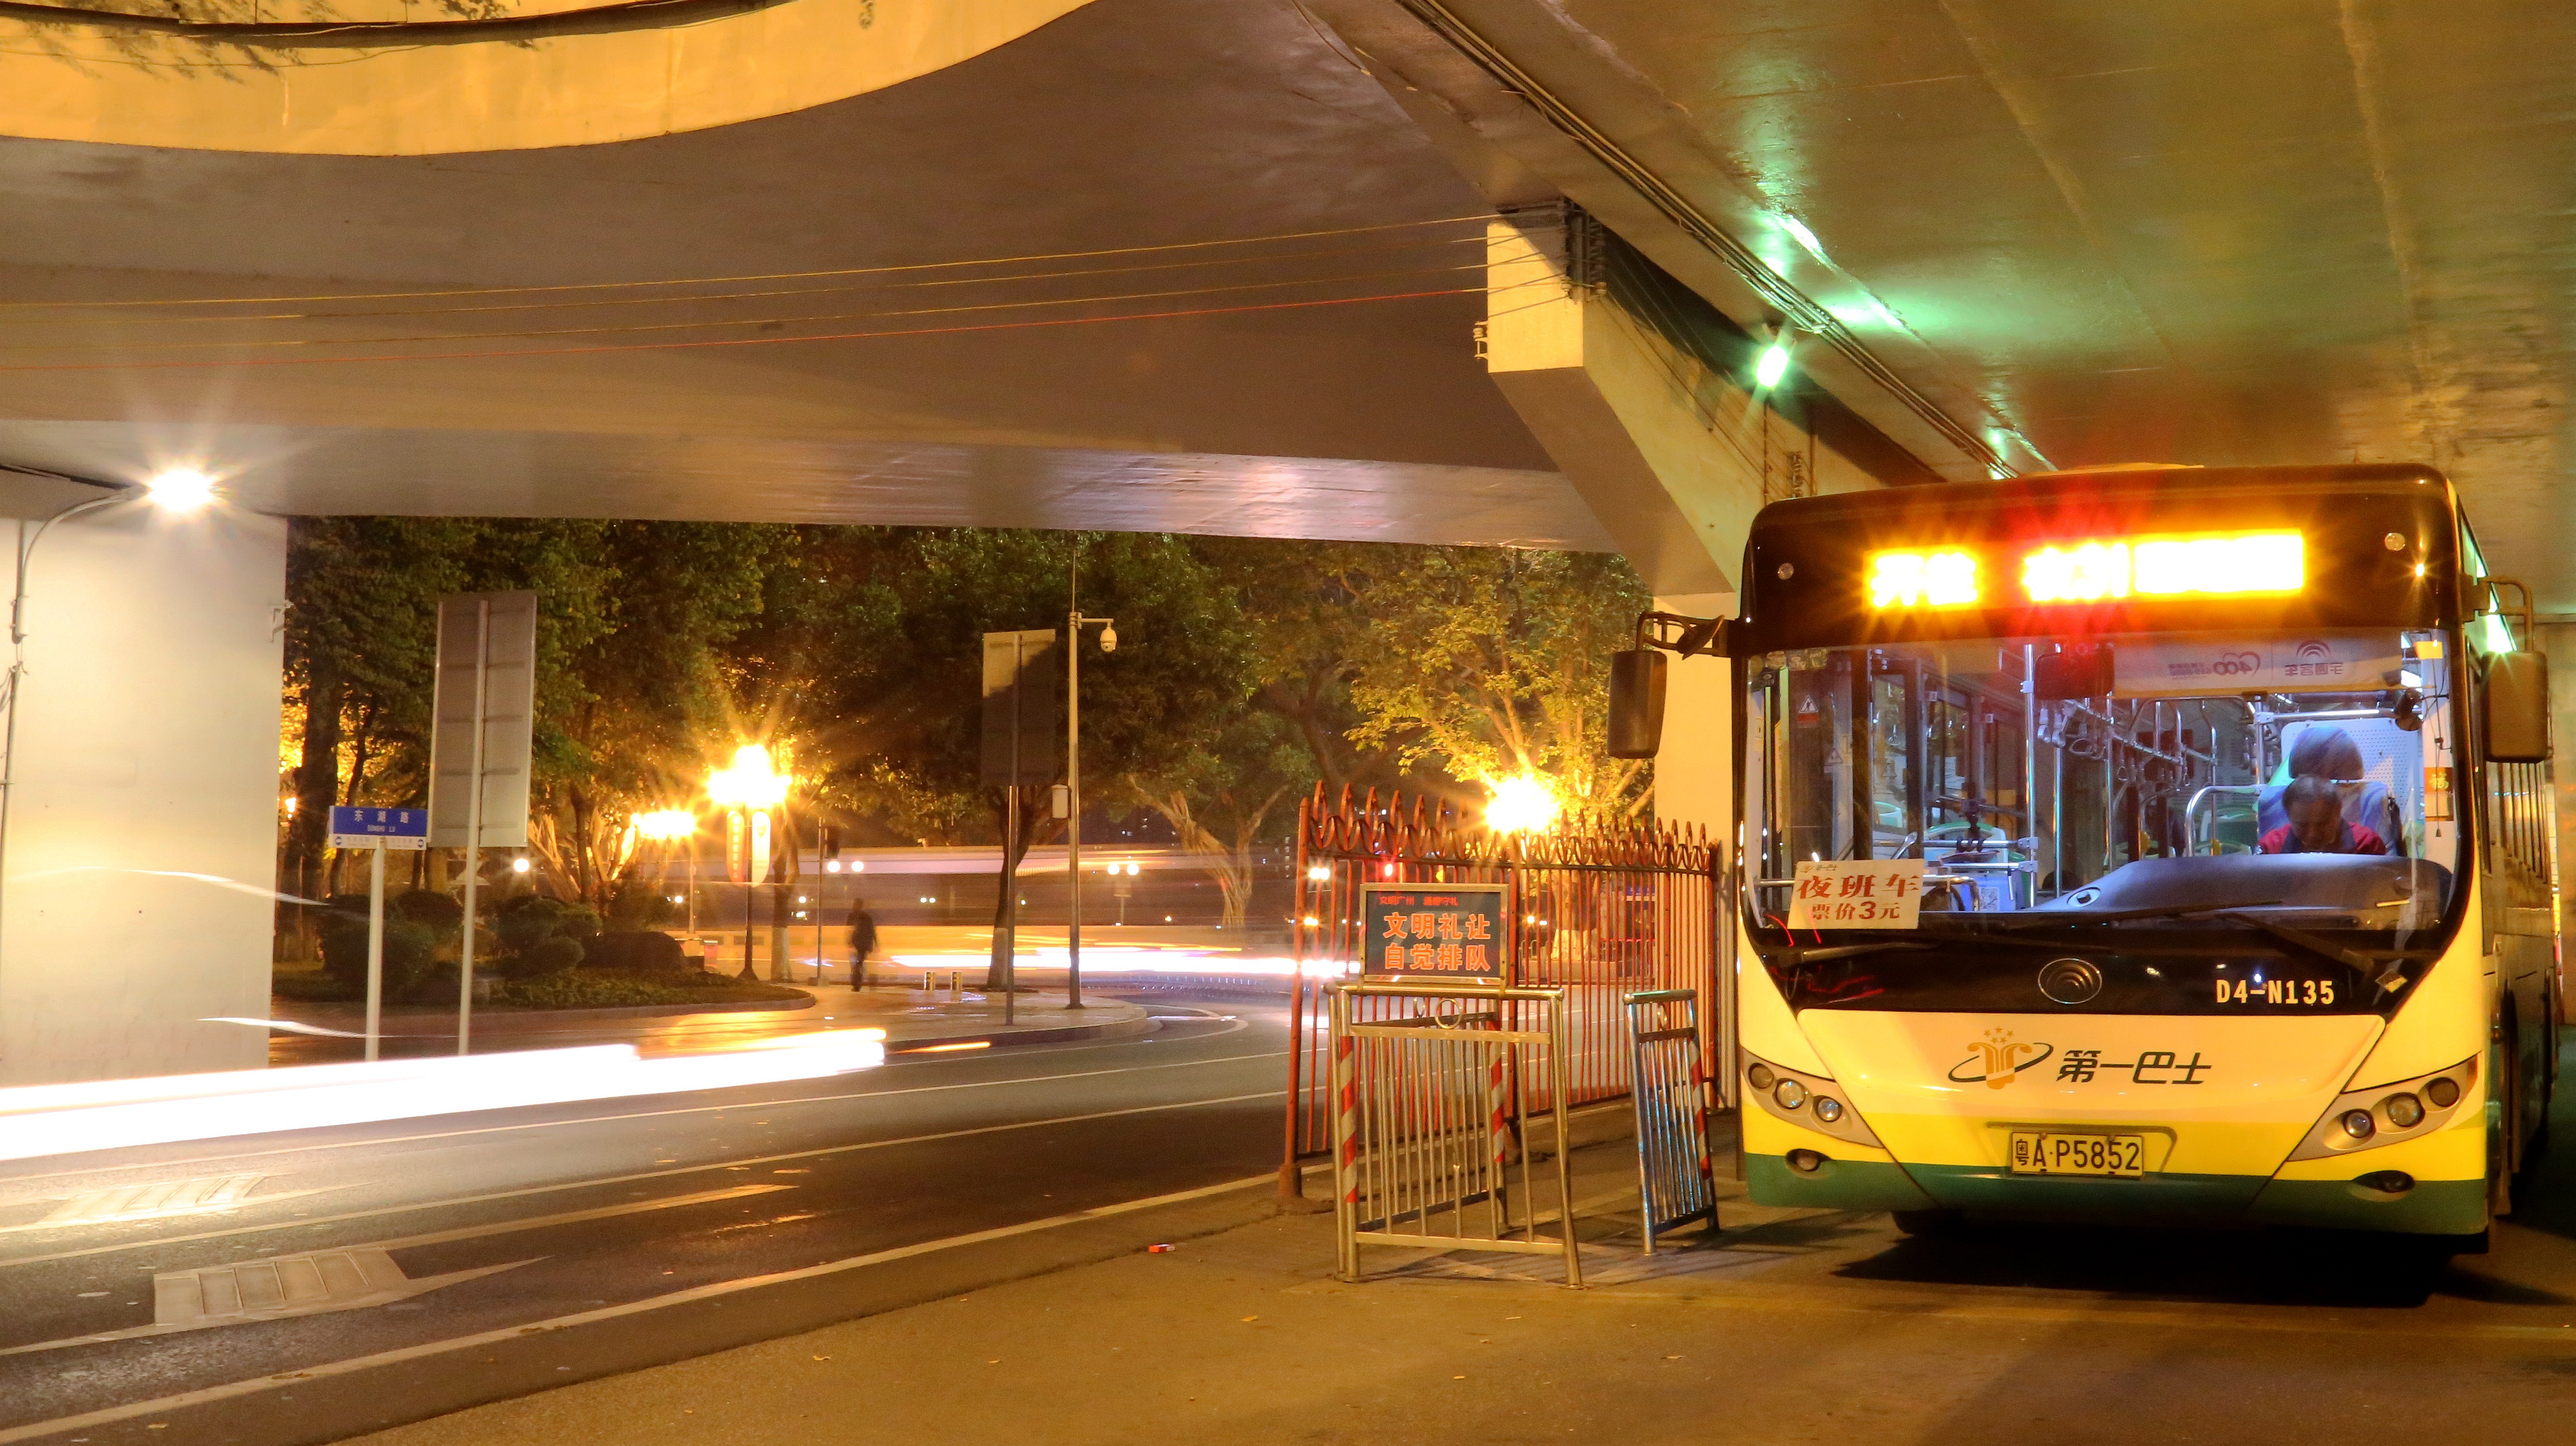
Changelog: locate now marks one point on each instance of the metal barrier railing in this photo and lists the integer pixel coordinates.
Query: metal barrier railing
(1432, 1117)
(1602, 908)
(1676, 1182)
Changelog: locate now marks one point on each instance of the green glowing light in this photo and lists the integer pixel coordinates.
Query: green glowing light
(1772, 365)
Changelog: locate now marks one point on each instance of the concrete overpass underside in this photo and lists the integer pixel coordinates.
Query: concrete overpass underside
(1476, 271)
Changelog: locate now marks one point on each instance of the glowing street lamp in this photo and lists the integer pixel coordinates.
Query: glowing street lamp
(751, 788)
(179, 489)
(752, 782)
(1524, 804)
(668, 826)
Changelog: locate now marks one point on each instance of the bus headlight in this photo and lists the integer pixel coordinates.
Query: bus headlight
(2389, 1112)
(1805, 1102)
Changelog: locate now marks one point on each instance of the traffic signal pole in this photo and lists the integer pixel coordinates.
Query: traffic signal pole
(1073, 784)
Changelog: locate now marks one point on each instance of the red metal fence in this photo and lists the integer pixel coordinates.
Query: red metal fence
(1605, 909)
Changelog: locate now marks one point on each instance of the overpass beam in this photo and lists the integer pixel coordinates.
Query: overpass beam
(1641, 392)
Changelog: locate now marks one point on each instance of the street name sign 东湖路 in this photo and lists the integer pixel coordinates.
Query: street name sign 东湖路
(369, 828)
(1438, 931)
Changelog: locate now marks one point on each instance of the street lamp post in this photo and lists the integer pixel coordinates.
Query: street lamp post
(178, 489)
(752, 787)
(1073, 770)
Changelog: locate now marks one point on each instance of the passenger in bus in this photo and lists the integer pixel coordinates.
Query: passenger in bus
(2317, 824)
(2327, 752)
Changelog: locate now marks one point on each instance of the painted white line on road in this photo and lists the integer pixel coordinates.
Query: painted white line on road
(278, 1288)
(154, 1243)
(347, 1278)
(236, 1389)
(657, 1114)
(570, 1217)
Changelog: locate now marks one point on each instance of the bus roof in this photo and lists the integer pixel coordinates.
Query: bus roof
(2127, 550)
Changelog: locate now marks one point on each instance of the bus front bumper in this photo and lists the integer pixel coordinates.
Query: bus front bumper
(1790, 1167)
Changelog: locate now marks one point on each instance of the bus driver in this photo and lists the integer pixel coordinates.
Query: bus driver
(2317, 825)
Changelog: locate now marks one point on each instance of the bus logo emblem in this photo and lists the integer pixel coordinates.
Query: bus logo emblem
(1997, 1059)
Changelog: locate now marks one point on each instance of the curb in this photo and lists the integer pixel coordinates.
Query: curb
(999, 1038)
(505, 1018)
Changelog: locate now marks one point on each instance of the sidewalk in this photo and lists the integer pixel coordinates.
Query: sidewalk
(911, 1018)
(1791, 1328)
(1236, 1336)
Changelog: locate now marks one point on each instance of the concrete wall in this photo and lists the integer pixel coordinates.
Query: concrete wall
(141, 847)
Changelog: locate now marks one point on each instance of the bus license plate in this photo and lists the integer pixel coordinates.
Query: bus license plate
(2034, 1153)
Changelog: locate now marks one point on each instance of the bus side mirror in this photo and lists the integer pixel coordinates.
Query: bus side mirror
(2518, 708)
(1636, 702)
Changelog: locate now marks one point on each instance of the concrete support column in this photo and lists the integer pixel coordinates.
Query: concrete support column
(141, 858)
(1639, 391)
(1695, 774)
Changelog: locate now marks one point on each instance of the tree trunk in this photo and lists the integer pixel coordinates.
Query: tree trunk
(317, 787)
(996, 971)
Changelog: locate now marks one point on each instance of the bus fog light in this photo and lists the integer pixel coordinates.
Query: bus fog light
(1806, 1162)
(2387, 1182)
(2356, 1123)
(1790, 1094)
(2404, 1112)
(1828, 1109)
(1760, 1076)
(2444, 1093)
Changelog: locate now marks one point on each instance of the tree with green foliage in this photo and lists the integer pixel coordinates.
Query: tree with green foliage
(873, 658)
(640, 697)
(1493, 662)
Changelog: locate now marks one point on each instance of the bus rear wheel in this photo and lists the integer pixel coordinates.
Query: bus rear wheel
(1930, 1224)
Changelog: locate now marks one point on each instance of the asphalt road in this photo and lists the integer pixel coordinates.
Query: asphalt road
(544, 1213)
(572, 1244)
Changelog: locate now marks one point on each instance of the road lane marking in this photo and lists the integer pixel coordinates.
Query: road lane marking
(629, 1179)
(277, 1288)
(345, 1279)
(569, 1217)
(657, 1114)
(231, 1390)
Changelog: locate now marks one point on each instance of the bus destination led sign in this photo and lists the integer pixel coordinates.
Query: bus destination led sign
(2236, 564)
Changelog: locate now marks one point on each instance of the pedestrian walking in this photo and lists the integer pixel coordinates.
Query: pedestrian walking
(863, 942)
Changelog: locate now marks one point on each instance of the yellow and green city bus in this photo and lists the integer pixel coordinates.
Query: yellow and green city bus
(2167, 845)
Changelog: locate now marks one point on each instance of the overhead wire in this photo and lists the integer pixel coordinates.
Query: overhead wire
(241, 362)
(710, 297)
(700, 325)
(730, 280)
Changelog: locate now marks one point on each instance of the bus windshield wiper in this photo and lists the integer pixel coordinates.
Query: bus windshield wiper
(2345, 955)
(1819, 953)
(2035, 918)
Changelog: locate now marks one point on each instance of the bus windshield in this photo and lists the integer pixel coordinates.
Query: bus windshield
(2250, 781)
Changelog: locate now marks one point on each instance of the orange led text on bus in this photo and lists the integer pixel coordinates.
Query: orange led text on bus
(2248, 564)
